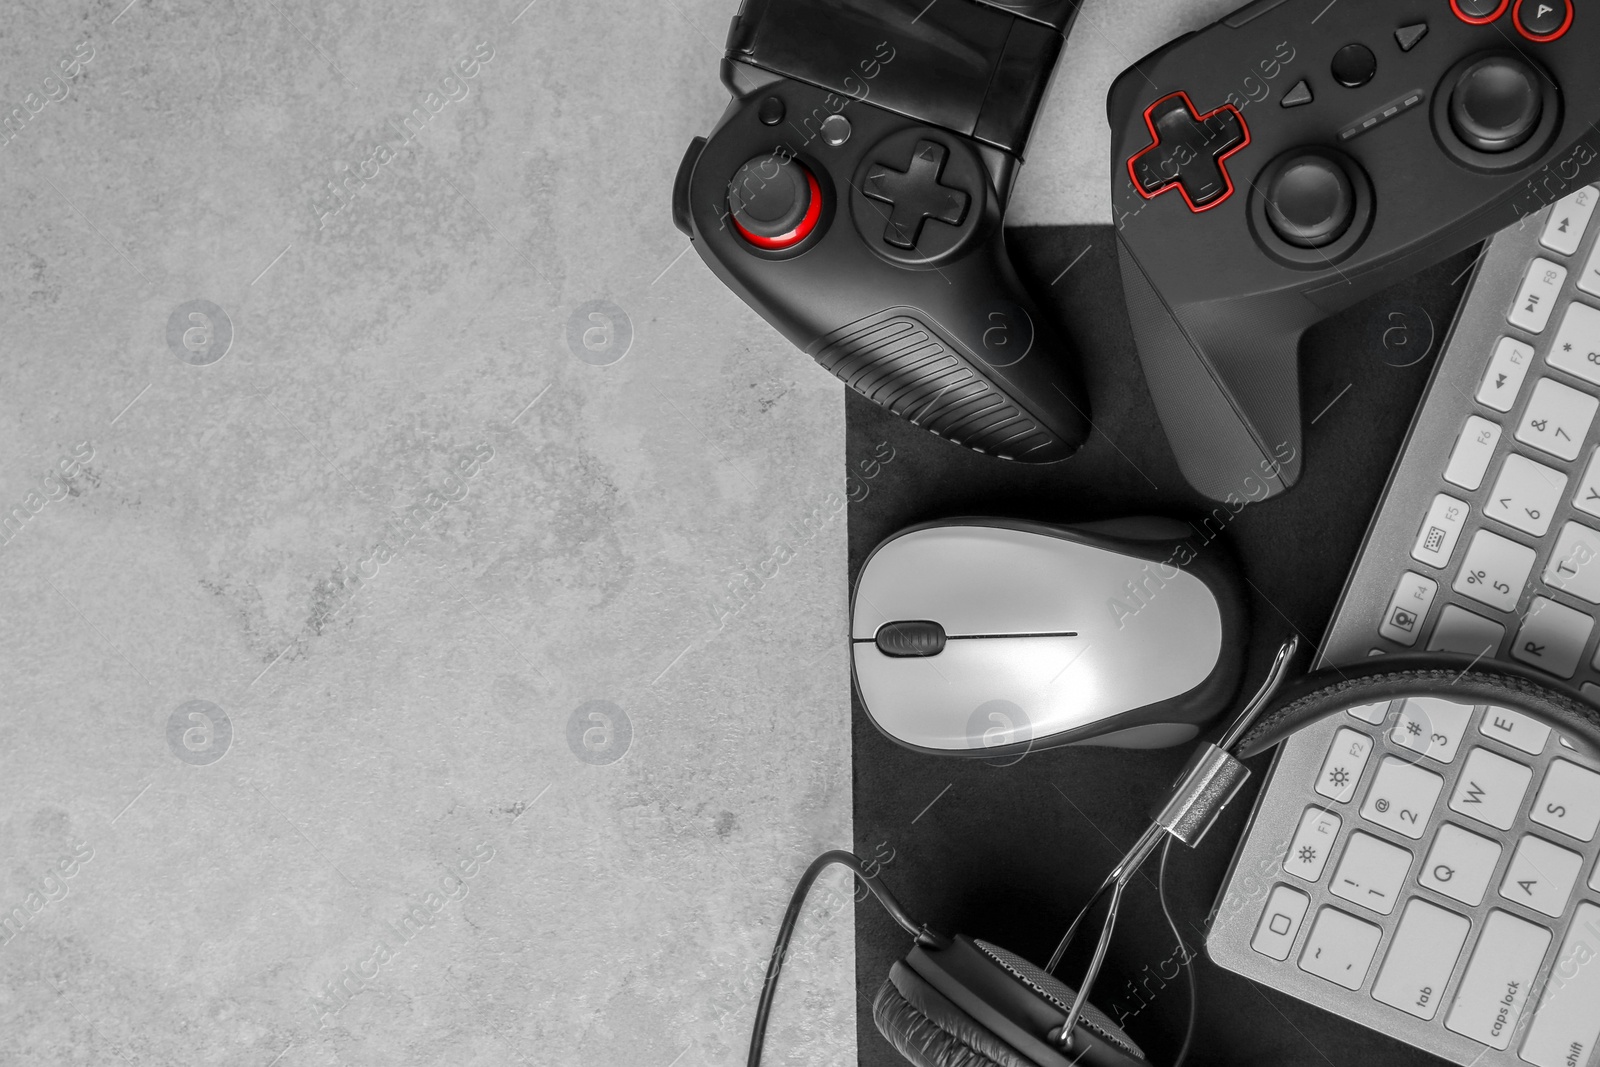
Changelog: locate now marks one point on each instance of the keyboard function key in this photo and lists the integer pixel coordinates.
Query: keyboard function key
(1494, 988)
(1526, 495)
(1552, 637)
(1515, 729)
(1371, 872)
(1502, 381)
(1586, 497)
(1589, 280)
(1541, 876)
(1313, 840)
(1280, 922)
(1373, 713)
(1563, 230)
(1473, 449)
(1460, 864)
(1566, 1024)
(1420, 958)
(1436, 541)
(1339, 948)
(1576, 348)
(1402, 620)
(1460, 630)
(1490, 788)
(1401, 797)
(1342, 767)
(1574, 564)
(1568, 800)
(1557, 419)
(1494, 571)
(1537, 294)
(1431, 726)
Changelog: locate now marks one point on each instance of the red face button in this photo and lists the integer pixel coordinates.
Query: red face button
(1187, 151)
(1542, 20)
(774, 201)
(1479, 12)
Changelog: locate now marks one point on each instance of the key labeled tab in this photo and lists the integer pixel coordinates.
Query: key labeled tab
(1340, 947)
(1557, 419)
(1402, 620)
(1537, 295)
(1313, 840)
(1565, 1027)
(1569, 800)
(1280, 922)
(1576, 348)
(1460, 630)
(1473, 449)
(1563, 230)
(1541, 876)
(1431, 726)
(1460, 864)
(1342, 767)
(1420, 958)
(1495, 987)
(1490, 788)
(1526, 495)
(1371, 872)
(1574, 564)
(1494, 570)
(1502, 381)
(1401, 797)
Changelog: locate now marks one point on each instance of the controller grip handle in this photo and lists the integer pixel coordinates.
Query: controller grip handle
(983, 369)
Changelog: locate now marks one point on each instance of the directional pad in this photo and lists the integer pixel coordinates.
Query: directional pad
(915, 194)
(1187, 150)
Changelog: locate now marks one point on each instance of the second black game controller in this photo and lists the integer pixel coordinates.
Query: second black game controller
(853, 194)
(1299, 155)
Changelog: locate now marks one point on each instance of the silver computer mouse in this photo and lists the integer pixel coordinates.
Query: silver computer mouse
(989, 637)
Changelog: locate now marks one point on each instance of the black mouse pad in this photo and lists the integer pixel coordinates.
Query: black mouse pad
(1008, 853)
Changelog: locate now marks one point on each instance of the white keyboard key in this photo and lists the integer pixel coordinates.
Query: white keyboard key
(1494, 988)
(1470, 457)
(1552, 637)
(1280, 922)
(1490, 788)
(1494, 570)
(1557, 419)
(1431, 726)
(1541, 876)
(1564, 1028)
(1341, 769)
(1589, 282)
(1371, 872)
(1339, 948)
(1420, 959)
(1401, 797)
(1313, 840)
(1536, 296)
(1515, 729)
(1568, 801)
(1576, 348)
(1460, 864)
(1563, 231)
(1402, 620)
(1586, 497)
(1437, 538)
(1574, 564)
(1503, 380)
(1526, 494)
(1373, 713)
(1460, 630)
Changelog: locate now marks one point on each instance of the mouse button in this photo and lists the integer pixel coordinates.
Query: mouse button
(912, 637)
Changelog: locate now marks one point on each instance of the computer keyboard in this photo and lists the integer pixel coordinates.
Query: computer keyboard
(1427, 868)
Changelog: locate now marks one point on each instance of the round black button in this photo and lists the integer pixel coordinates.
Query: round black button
(1496, 104)
(1484, 10)
(1354, 65)
(1311, 201)
(771, 111)
(771, 201)
(1543, 20)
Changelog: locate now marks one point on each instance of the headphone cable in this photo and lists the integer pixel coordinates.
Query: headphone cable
(1188, 957)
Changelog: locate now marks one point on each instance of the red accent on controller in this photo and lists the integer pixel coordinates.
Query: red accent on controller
(1516, 19)
(802, 229)
(1479, 20)
(1155, 142)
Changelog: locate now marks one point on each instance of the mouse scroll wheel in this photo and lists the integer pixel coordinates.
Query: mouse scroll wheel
(915, 638)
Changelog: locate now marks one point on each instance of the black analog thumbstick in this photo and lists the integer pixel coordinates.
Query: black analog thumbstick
(773, 200)
(1310, 201)
(1496, 104)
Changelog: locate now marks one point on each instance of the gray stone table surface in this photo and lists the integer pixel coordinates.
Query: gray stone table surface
(423, 583)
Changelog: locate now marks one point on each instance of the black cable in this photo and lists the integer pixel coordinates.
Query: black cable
(769, 987)
(1188, 958)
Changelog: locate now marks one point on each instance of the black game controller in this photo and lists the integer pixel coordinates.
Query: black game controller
(1297, 156)
(853, 194)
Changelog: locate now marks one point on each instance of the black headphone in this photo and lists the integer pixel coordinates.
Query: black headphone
(962, 1002)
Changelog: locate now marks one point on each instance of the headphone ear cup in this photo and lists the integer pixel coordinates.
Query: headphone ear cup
(929, 1031)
